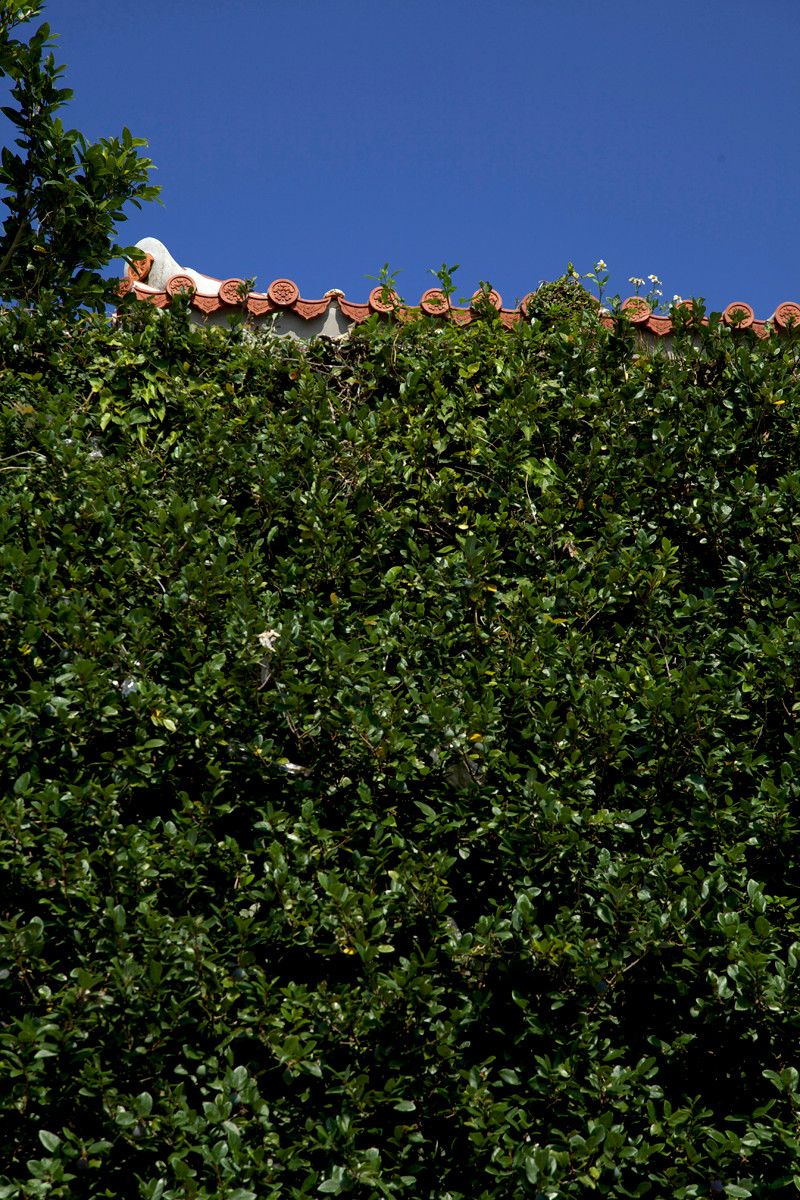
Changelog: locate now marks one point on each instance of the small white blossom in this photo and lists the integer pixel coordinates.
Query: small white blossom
(601, 266)
(676, 299)
(268, 640)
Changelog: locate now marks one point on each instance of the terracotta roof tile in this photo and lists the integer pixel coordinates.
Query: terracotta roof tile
(377, 302)
(494, 296)
(229, 291)
(355, 312)
(660, 326)
(638, 310)
(787, 315)
(283, 293)
(739, 314)
(141, 268)
(308, 309)
(209, 295)
(433, 302)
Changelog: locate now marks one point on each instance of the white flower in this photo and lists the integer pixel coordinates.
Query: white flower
(676, 299)
(129, 684)
(267, 639)
(654, 279)
(601, 266)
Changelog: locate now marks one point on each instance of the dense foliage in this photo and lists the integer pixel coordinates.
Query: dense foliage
(400, 737)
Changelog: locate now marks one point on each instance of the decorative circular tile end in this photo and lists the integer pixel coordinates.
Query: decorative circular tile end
(139, 269)
(377, 302)
(494, 296)
(787, 315)
(229, 291)
(283, 292)
(180, 283)
(638, 309)
(739, 314)
(433, 303)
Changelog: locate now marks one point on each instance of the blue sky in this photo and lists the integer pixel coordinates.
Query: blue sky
(317, 140)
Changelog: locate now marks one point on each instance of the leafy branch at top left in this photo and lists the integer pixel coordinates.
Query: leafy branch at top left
(64, 195)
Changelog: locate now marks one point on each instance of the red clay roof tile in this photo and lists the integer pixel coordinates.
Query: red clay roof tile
(638, 310)
(283, 293)
(355, 312)
(229, 291)
(739, 314)
(180, 283)
(787, 315)
(494, 296)
(377, 302)
(308, 309)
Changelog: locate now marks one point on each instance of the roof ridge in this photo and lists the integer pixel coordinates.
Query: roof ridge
(157, 278)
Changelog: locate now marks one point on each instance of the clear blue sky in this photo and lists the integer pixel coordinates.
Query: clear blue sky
(317, 140)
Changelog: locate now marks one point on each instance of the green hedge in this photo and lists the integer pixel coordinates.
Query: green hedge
(473, 875)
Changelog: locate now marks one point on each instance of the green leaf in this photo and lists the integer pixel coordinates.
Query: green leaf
(50, 1141)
